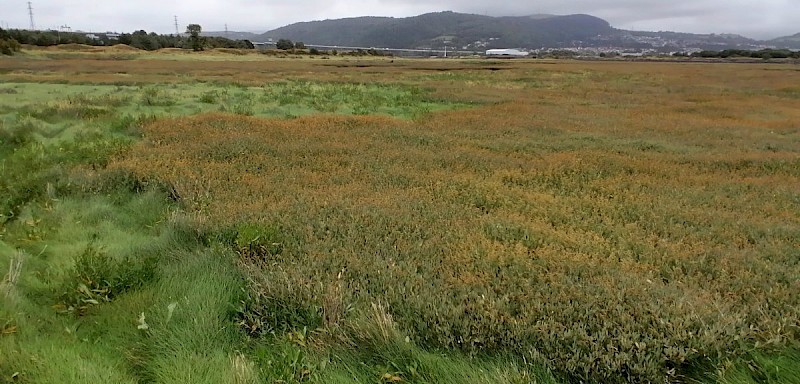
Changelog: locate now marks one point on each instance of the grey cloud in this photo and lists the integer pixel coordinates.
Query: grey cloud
(762, 19)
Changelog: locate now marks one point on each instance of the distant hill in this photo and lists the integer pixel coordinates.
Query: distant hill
(791, 42)
(434, 30)
(478, 32)
(681, 40)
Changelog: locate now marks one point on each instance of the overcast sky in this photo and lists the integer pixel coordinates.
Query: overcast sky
(752, 18)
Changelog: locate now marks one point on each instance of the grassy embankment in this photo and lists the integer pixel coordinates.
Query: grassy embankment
(607, 221)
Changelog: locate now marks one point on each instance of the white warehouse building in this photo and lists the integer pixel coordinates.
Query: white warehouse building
(506, 52)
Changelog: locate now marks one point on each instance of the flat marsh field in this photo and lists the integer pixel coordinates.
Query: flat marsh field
(232, 218)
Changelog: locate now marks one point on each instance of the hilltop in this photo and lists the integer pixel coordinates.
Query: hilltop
(791, 42)
(435, 30)
(479, 32)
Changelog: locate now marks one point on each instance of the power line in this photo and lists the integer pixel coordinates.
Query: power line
(30, 13)
(177, 32)
(226, 30)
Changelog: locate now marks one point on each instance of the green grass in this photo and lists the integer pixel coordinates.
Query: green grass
(187, 299)
(57, 104)
(88, 252)
(767, 368)
(381, 350)
(348, 98)
(58, 346)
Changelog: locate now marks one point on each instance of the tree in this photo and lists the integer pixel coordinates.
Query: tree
(299, 45)
(9, 46)
(7, 43)
(284, 44)
(125, 38)
(142, 40)
(194, 36)
(46, 39)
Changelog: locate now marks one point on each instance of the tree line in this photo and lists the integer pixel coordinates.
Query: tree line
(11, 40)
(760, 54)
(300, 47)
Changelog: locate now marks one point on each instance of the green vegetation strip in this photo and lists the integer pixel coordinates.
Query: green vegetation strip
(58, 103)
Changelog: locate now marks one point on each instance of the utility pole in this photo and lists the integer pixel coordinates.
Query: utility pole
(226, 30)
(30, 13)
(177, 31)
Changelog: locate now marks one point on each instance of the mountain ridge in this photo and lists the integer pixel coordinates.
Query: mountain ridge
(478, 32)
(433, 30)
(791, 42)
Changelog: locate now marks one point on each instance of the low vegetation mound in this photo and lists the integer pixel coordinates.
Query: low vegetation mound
(172, 50)
(74, 48)
(123, 48)
(231, 51)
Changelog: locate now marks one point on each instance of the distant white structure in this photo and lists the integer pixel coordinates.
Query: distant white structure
(506, 53)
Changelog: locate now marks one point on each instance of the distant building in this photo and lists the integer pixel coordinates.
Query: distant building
(506, 53)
